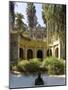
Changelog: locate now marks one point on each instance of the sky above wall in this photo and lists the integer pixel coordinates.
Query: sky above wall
(21, 8)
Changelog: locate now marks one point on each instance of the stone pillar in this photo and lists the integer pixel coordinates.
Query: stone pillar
(44, 52)
(59, 51)
(34, 53)
(25, 53)
(53, 51)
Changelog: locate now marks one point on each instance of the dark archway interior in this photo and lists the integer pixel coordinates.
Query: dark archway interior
(29, 54)
(40, 54)
(56, 52)
(21, 53)
(49, 52)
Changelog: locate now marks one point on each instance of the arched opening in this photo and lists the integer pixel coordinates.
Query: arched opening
(21, 53)
(49, 52)
(29, 54)
(40, 54)
(56, 52)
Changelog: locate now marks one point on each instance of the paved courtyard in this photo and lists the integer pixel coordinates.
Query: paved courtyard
(28, 81)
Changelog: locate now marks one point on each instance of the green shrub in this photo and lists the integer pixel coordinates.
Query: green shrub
(35, 61)
(21, 65)
(50, 64)
(14, 68)
(33, 65)
(53, 65)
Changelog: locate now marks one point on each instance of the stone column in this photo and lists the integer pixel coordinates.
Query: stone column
(34, 53)
(25, 53)
(53, 51)
(59, 51)
(44, 52)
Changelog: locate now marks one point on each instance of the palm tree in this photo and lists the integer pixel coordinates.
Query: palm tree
(19, 22)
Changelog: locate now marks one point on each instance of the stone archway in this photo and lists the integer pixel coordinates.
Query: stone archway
(21, 53)
(56, 52)
(29, 54)
(49, 52)
(40, 54)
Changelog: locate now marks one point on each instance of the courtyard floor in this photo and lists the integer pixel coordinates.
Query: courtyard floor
(28, 81)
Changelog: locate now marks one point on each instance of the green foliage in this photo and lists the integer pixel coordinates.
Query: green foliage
(33, 66)
(31, 11)
(35, 60)
(29, 66)
(53, 65)
(54, 17)
(14, 68)
(20, 26)
(21, 65)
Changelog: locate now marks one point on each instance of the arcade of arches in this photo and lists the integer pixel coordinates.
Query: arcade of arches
(31, 53)
(41, 53)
